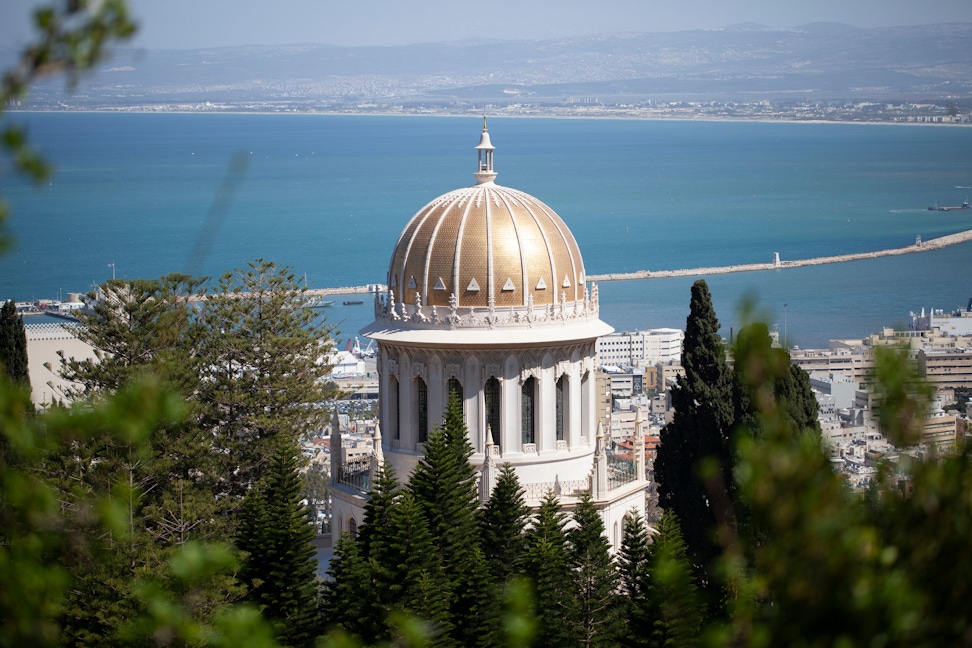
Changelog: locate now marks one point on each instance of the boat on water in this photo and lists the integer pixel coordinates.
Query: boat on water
(317, 302)
(964, 205)
(353, 302)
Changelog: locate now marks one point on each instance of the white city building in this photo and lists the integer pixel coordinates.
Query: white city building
(487, 299)
(641, 348)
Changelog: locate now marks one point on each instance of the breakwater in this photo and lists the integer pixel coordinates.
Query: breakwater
(919, 246)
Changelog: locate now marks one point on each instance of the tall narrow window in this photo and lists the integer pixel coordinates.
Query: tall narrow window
(528, 412)
(491, 394)
(561, 405)
(423, 410)
(455, 389)
(394, 407)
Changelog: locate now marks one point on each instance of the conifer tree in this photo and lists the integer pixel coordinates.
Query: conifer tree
(546, 564)
(444, 486)
(502, 526)
(415, 581)
(694, 459)
(13, 345)
(595, 577)
(679, 620)
(263, 374)
(276, 532)
(637, 603)
(349, 591)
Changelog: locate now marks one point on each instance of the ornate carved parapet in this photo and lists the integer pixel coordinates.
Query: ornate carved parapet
(455, 317)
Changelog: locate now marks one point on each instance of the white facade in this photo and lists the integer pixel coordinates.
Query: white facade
(641, 348)
(488, 299)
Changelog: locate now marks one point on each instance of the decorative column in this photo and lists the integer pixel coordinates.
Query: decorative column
(639, 445)
(599, 481)
(487, 474)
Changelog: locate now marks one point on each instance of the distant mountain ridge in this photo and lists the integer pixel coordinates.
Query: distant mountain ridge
(822, 60)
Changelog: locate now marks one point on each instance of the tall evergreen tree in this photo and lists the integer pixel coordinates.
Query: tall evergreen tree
(789, 386)
(13, 345)
(693, 463)
(263, 374)
(502, 526)
(276, 532)
(637, 603)
(546, 564)
(444, 486)
(595, 577)
(676, 599)
(415, 582)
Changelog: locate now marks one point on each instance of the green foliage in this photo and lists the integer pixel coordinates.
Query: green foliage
(502, 523)
(276, 533)
(13, 345)
(672, 585)
(142, 325)
(444, 486)
(595, 577)
(693, 465)
(546, 565)
(637, 603)
(263, 371)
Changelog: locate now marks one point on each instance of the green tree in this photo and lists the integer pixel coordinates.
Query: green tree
(263, 370)
(595, 577)
(695, 458)
(142, 325)
(637, 603)
(276, 533)
(675, 598)
(444, 485)
(13, 345)
(546, 565)
(502, 526)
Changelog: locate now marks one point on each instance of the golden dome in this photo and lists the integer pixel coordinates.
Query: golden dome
(486, 246)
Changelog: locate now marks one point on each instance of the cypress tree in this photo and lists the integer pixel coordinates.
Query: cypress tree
(13, 345)
(546, 564)
(697, 440)
(444, 486)
(637, 603)
(276, 532)
(595, 577)
(502, 526)
(679, 620)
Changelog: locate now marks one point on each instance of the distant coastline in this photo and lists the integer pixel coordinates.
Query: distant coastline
(559, 113)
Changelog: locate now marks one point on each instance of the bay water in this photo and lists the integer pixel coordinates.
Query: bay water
(328, 195)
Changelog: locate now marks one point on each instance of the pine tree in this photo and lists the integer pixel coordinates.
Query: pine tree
(502, 526)
(694, 459)
(349, 591)
(276, 532)
(262, 374)
(638, 608)
(13, 345)
(546, 565)
(415, 582)
(595, 577)
(444, 486)
(673, 588)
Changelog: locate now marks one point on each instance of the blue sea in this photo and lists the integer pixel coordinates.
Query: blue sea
(328, 196)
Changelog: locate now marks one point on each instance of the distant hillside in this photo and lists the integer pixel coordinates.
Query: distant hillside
(822, 60)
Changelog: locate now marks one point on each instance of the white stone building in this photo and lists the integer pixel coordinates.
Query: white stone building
(487, 298)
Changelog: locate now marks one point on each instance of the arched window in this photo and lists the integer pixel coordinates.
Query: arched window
(491, 394)
(528, 410)
(353, 527)
(455, 389)
(422, 392)
(393, 417)
(561, 406)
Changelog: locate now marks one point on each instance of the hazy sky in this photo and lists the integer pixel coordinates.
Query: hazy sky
(208, 23)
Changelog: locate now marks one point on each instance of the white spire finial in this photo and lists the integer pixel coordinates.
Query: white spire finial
(484, 171)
